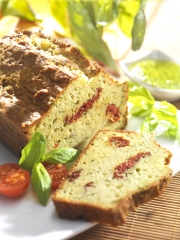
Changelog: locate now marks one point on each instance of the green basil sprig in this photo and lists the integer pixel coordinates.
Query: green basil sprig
(159, 117)
(34, 154)
(18, 8)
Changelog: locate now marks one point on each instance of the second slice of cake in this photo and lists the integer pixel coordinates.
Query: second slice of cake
(117, 172)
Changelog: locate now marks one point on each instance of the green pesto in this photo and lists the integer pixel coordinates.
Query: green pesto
(159, 73)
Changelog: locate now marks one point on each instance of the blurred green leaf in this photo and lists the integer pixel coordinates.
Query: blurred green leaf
(59, 11)
(85, 22)
(139, 28)
(127, 12)
(90, 37)
(19, 8)
(3, 4)
(105, 11)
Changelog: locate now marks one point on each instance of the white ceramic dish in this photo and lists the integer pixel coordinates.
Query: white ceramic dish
(159, 93)
(25, 219)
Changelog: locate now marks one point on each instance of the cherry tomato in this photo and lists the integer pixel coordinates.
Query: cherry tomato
(57, 172)
(13, 180)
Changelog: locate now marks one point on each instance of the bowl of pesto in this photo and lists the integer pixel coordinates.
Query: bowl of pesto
(157, 72)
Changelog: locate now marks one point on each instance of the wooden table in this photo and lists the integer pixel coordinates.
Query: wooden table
(157, 220)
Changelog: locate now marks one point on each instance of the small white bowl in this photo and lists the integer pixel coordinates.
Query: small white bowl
(158, 93)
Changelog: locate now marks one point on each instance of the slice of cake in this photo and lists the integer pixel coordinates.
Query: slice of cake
(117, 172)
(47, 85)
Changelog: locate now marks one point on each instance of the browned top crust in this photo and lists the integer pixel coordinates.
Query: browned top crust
(34, 70)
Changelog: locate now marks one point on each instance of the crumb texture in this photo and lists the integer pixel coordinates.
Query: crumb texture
(118, 171)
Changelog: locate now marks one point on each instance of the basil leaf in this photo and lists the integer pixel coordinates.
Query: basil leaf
(162, 120)
(61, 155)
(139, 28)
(127, 12)
(33, 151)
(41, 183)
(59, 11)
(88, 34)
(141, 100)
(20, 9)
(105, 11)
(160, 117)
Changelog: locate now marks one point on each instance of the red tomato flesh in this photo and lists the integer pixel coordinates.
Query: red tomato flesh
(13, 180)
(57, 173)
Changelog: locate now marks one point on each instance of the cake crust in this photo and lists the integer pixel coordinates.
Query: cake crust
(113, 216)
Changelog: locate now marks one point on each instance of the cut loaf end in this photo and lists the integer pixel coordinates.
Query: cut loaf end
(47, 85)
(117, 172)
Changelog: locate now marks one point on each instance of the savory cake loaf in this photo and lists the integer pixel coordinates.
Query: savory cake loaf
(47, 85)
(117, 172)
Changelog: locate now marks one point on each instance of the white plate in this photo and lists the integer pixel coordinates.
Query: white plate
(159, 93)
(24, 218)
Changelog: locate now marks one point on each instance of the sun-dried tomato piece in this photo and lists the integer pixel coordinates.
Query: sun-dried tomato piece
(120, 169)
(74, 175)
(113, 112)
(57, 173)
(119, 141)
(56, 144)
(83, 108)
(89, 184)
